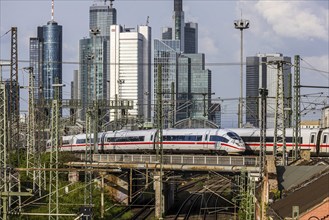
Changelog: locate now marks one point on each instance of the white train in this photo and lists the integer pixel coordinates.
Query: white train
(174, 141)
(314, 139)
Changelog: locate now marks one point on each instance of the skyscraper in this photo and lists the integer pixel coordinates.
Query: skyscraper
(193, 87)
(261, 73)
(191, 38)
(178, 28)
(166, 53)
(183, 71)
(130, 69)
(94, 55)
(102, 17)
(46, 58)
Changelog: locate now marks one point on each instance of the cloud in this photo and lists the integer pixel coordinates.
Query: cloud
(316, 66)
(295, 19)
(207, 44)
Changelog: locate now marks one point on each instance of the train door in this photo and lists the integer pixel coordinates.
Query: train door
(312, 142)
(102, 140)
(206, 146)
(323, 147)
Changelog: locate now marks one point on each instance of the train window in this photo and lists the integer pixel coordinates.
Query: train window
(182, 138)
(151, 138)
(325, 137)
(218, 138)
(125, 139)
(81, 141)
(66, 142)
(251, 139)
(289, 139)
(233, 135)
(206, 137)
(312, 138)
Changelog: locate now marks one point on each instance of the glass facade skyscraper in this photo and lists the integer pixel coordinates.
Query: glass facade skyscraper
(46, 58)
(94, 55)
(183, 71)
(193, 87)
(166, 54)
(178, 28)
(102, 17)
(191, 38)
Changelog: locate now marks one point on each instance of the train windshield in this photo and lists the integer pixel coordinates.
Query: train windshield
(234, 136)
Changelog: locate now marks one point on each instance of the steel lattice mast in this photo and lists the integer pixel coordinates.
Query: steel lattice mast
(279, 123)
(55, 144)
(88, 161)
(3, 150)
(297, 132)
(14, 94)
(263, 95)
(31, 144)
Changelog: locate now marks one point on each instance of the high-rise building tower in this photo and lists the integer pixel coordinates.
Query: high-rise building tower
(178, 29)
(193, 83)
(94, 55)
(262, 73)
(182, 69)
(130, 77)
(102, 16)
(166, 53)
(46, 58)
(191, 38)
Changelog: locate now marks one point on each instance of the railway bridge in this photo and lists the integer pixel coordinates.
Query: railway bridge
(129, 174)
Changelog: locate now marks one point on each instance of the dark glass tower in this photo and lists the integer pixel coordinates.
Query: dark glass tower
(46, 58)
(102, 17)
(191, 37)
(178, 30)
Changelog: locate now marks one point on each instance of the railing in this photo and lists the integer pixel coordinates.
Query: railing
(178, 159)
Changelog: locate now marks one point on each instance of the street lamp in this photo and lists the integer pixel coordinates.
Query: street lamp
(241, 25)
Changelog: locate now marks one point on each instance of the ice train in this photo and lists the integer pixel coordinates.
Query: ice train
(201, 141)
(316, 140)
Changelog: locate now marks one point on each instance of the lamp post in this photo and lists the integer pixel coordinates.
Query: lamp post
(241, 25)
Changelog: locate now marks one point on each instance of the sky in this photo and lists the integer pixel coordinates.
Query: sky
(294, 27)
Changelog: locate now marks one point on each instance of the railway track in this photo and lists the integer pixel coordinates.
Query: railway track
(201, 203)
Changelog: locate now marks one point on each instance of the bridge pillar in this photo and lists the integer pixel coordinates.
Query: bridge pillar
(118, 186)
(170, 188)
(159, 199)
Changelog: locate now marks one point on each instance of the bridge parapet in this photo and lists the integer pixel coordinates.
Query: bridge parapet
(250, 161)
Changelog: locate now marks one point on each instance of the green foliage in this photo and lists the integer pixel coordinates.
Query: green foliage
(71, 199)
(71, 196)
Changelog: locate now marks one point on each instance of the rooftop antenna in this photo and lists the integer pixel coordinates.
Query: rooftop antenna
(52, 10)
(147, 20)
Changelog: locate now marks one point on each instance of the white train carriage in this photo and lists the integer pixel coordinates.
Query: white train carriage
(128, 141)
(202, 140)
(174, 140)
(313, 139)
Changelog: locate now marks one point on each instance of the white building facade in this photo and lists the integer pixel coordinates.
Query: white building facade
(130, 70)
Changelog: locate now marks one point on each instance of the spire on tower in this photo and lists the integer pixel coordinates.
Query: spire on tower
(52, 10)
